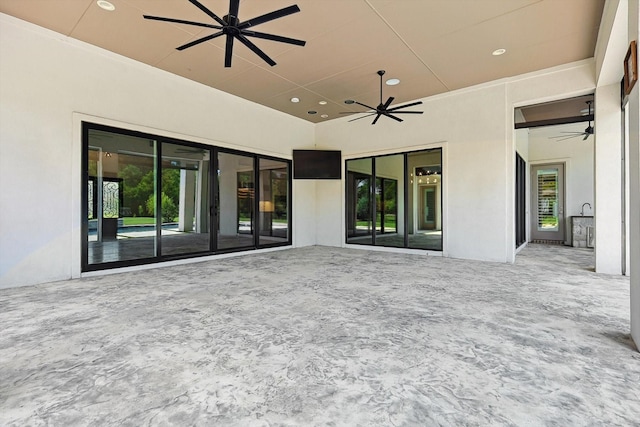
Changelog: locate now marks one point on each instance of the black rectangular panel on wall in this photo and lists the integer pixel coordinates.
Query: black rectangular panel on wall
(521, 204)
(317, 164)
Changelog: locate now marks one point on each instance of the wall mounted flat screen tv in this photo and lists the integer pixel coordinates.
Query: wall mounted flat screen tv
(317, 164)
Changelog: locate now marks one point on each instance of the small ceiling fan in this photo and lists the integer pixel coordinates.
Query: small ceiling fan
(383, 109)
(585, 134)
(233, 28)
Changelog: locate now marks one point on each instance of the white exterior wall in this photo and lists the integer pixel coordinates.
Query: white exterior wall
(634, 181)
(608, 184)
(475, 128)
(40, 142)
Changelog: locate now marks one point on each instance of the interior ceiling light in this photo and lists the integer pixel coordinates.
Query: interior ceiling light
(324, 116)
(295, 100)
(499, 52)
(322, 102)
(392, 82)
(233, 28)
(104, 4)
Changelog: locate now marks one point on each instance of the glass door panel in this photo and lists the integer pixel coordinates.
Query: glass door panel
(235, 201)
(390, 201)
(185, 199)
(359, 210)
(547, 195)
(425, 199)
(121, 197)
(273, 205)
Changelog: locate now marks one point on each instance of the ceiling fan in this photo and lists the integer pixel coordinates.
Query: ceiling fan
(233, 28)
(383, 109)
(588, 131)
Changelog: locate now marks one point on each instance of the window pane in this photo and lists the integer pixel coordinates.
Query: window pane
(273, 214)
(236, 201)
(185, 199)
(121, 197)
(359, 213)
(547, 200)
(425, 199)
(390, 201)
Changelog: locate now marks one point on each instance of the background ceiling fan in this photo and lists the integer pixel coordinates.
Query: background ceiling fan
(585, 134)
(383, 109)
(233, 28)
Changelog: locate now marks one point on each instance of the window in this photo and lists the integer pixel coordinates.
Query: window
(395, 200)
(148, 198)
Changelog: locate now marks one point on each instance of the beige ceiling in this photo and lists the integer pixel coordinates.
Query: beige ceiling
(432, 46)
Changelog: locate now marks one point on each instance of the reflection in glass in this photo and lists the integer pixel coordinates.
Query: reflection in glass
(390, 201)
(425, 199)
(273, 205)
(184, 199)
(120, 194)
(358, 193)
(414, 221)
(236, 198)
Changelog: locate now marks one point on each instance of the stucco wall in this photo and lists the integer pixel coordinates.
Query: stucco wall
(474, 127)
(40, 112)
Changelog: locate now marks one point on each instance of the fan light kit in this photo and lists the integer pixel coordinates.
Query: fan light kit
(231, 26)
(383, 109)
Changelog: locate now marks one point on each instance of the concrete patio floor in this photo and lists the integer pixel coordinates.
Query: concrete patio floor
(325, 336)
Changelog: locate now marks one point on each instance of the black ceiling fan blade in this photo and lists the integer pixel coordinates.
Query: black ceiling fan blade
(201, 40)
(376, 119)
(405, 106)
(391, 116)
(564, 138)
(407, 112)
(389, 101)
(197, 4)
(586, 135)
(228, 51)
(365, 105)
(234, 5)
(269, 16)
(245, 41)
(570, 134)
(363, 117)
(273, 37)
(181, 21)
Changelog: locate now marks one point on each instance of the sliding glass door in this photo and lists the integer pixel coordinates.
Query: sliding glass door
(395, 200)
(147, 199)
(184, 200)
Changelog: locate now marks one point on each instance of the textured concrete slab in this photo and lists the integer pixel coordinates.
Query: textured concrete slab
(325, 336)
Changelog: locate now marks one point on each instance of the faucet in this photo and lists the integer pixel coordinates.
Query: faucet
(582, 211)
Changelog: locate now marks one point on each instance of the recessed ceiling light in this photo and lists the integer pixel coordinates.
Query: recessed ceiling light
(295, 100)
(499, 52)
(392, 82)
(322, 102)
(104, 4)
(349, 101)
(324, 116)
(312, 112)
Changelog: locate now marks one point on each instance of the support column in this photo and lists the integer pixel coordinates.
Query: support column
(187, 200)
(608, 180)
(634, 182)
